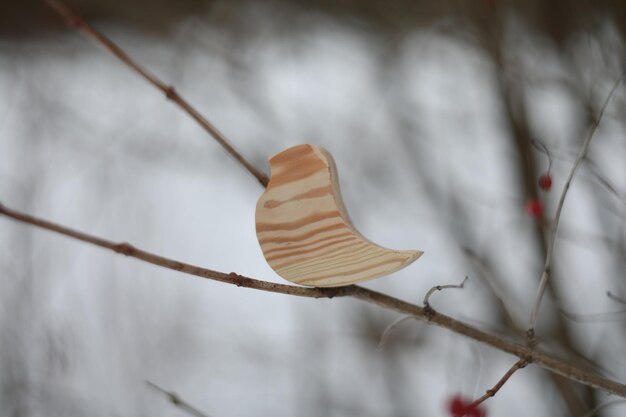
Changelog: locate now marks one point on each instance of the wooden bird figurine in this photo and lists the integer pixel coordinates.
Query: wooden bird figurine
(304, 230)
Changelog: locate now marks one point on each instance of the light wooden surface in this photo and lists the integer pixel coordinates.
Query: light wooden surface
(304, 230)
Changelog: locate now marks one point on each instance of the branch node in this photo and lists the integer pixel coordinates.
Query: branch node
(531, 339)
(608, 293)
(170, 92)
(429, 312)
(236, 279)
(175, 399)
(124, 248)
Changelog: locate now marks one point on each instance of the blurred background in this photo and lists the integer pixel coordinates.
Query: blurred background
(441, 116)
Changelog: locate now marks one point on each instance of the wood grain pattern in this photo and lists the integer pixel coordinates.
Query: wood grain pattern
(304, 230)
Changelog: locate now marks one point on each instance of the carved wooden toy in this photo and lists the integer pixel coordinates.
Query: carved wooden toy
(304, 230)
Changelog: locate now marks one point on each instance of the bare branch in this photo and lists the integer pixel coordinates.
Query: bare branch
(594, 317)
(491, 392)
(73, 20)
(615, 297)
(531, 355)
(393, 325)
(557, 217)
(601, 406)
(487, 274)
(441, 287)
(178, 402)
(543, 148)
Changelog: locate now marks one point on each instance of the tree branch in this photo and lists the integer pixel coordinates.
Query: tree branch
(491, 392)
(73, 20)
(557, 217)
(177, 401)
(441, 288)
(528, 354)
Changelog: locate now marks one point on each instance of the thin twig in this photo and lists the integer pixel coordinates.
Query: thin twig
(177, 401)
(73, 20)
(601, 406)
(594, 317)
(491, 392)
(594, 169)
(557, 217)
(543, 148)
(545, 360)
(486, 273)
(388, 329)
(615, 297)
(561, 384)
(439, 288)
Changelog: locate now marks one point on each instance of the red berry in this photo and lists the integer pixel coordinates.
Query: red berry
(534, 207)
(456, 406)
(476, 411)
(545, 182)
(460, 407)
